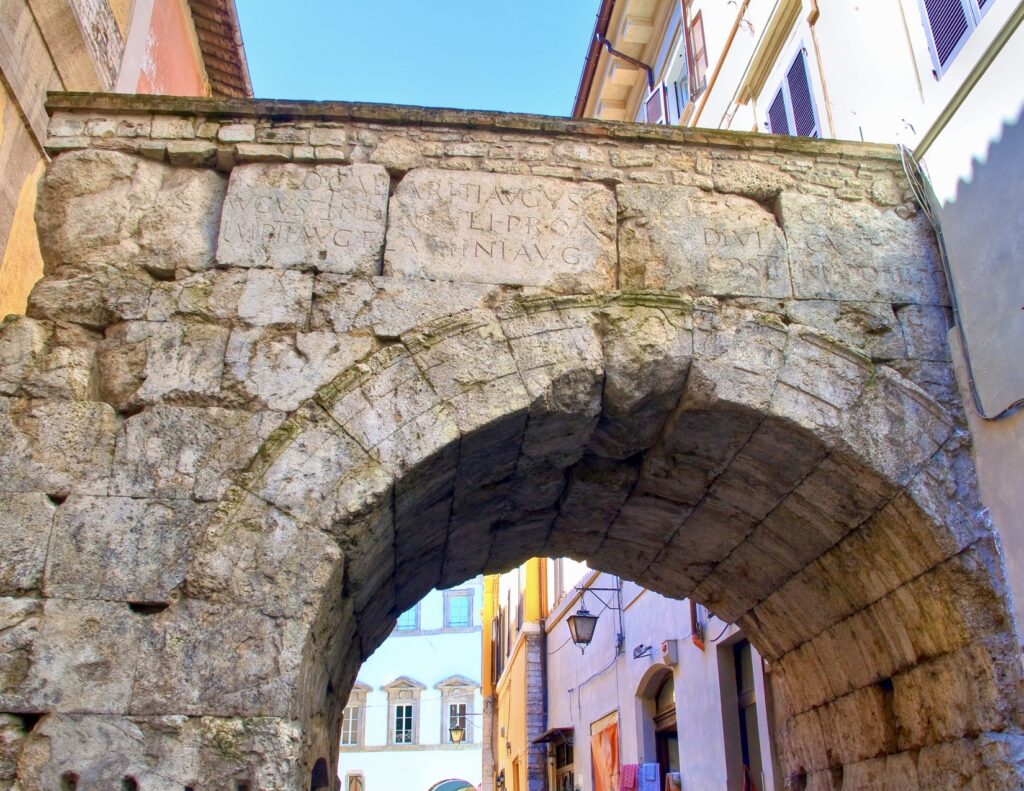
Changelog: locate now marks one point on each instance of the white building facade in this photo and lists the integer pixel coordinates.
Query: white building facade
(940, 77)
(423, 680)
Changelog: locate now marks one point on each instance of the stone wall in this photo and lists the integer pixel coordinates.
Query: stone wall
(292, 365)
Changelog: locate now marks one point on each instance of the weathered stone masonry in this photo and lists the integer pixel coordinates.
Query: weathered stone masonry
(292, 365)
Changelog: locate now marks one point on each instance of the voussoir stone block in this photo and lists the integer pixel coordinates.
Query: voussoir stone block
(491, 228)
(685, 239)
(328, 218)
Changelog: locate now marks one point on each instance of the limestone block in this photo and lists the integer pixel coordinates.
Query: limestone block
(467, 361)
(23, 343)
(924, 329)
(280, 369)
(975, 689)
(683, 239)
(390, 408)
(855, 251)
(871, 327)
(182, 452)
(493, 228)
(105, 207)
(25, 524)
(754, 180)
(328, 218)
(859, 726)
(57, 447)
(256, 556)
(303, 464)
(647, 354)
(390, 306)
(68, 370)
(895, 427)
(83, 658)
(123, 548)
(819, 381)
(259, 297)
(19, 630)
(397, 153)
(218, 660)
(184, 361)
(98, 298)
(162, 753)
(994, 758)
(12, 737)
(596, 490)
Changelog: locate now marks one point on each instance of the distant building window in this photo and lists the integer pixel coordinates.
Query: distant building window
(948, 24)
(458, 609)
(403, 732)
(350, 726)
(746, 698)
(792, 110)
(354, 782)
(409, 620)
(457, 716)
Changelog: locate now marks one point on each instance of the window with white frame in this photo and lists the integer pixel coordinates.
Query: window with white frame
(792, 110)
(353, 718)
(403, 710)
(948, 24)
(458, 609)
(350, 726)
(403, 723)
(457, 694)
(409, 620)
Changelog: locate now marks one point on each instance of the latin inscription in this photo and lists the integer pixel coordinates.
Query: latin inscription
(481, 227)
(327, 217)
(683, 238)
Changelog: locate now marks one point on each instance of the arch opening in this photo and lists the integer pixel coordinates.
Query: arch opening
(819, 501)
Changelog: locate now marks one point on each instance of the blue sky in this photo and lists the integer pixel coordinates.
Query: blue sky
(521, 56)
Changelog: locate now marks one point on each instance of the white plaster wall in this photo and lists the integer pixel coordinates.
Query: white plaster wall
(584, 688)
(428, 655)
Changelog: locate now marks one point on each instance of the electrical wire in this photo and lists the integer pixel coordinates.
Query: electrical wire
(918, 185)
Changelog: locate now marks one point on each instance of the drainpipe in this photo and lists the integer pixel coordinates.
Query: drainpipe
(623, 56)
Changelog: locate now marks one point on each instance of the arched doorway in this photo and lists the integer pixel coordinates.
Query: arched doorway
(666, 735)
(815, 498)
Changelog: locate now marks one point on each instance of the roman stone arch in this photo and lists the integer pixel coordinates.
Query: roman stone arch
(211, 574)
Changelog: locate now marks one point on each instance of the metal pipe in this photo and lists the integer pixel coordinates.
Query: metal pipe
(623, 56)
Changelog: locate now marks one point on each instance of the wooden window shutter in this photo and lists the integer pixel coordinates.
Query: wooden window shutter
(654, 107)
(778, 120)
(948, 23)
(982, 3)
(700, 52)
(800, 97)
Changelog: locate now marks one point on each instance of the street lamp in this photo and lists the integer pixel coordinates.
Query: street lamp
(581, 628)
(457, 733)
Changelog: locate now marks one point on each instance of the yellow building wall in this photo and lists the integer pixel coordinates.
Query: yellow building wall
(509, 731)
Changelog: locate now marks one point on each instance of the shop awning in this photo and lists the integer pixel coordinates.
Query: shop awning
(555, 735)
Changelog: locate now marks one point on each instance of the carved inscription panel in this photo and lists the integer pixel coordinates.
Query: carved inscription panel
(489, 228)
(854, 251)
(685, 239)
(324, 217)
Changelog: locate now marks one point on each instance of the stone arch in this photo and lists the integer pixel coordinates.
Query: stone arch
(819, 500)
